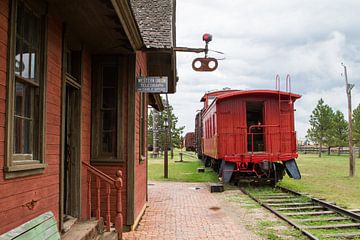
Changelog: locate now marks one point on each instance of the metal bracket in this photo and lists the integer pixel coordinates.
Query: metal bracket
(205, 64)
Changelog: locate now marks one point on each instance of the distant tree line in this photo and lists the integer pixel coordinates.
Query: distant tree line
(329, 128)
(176, 132)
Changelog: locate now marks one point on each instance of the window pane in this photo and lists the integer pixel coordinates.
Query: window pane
(108, 120)
(25, 64)
(33, 65)
(107, 142)
(19, 67)
(27, 23)
(23, 100)
(19, 19)
(109, 76)
(37, 32)
(109, 98)
(22, 136)
(27, 43)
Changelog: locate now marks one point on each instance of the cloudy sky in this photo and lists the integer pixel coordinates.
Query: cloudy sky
(262, 38)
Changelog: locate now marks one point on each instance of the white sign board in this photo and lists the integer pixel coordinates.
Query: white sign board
(152, 84)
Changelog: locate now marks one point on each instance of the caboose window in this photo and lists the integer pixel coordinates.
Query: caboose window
(254, 120)
(214, 126)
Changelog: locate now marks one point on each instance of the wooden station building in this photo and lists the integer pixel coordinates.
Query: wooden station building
(69, 106)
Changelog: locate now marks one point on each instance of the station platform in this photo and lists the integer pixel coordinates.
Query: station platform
(178, 210)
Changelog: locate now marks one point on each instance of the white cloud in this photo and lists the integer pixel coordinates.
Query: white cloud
(307, 39)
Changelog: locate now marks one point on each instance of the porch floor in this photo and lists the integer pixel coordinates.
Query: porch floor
(189, 211)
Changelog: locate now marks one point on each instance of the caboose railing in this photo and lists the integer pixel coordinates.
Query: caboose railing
(109, 182)
(262, 133)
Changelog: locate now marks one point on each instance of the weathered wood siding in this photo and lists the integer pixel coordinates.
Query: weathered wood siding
(140, 167)
(42, 188)
(85, 126)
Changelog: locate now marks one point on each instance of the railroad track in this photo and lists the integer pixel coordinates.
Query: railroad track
(315, 218)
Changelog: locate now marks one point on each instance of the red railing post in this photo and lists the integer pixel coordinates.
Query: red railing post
(108, 207)
(98, 184)
(89, 193)
(119, 217)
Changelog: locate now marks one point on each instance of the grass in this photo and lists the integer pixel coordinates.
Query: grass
(180, 171)
(274, 230)
(327, 177)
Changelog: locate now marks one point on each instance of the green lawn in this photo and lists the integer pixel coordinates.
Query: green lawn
(327, 177)
(180, 171)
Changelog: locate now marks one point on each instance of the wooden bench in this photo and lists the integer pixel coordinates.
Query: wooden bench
(39, 228)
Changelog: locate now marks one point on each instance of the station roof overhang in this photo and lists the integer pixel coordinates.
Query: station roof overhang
(111, 27)
(104, 27)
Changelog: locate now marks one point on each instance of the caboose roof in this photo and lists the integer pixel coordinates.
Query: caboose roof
(217, 93)
(294, 96)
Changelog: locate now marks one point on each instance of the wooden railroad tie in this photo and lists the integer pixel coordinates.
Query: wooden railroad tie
(309, 213)
(332, 226)
(298, 208)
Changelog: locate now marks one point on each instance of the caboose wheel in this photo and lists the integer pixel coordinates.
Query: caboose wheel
(275, 178)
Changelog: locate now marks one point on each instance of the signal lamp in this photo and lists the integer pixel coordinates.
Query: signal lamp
(207, 37)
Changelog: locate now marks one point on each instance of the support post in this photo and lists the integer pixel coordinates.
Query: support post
(119, 216)
(98, 210)
(351, 152)
(89, 194)
(155, 133)
(108, 191)
(166, 142)
(166, 157)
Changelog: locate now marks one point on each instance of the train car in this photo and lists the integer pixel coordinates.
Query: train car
(198, 134)
(250, 134)
(189, 141)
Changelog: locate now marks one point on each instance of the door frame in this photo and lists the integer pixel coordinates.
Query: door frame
(68, 82)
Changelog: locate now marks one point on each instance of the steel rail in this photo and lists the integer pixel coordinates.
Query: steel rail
(337, 209)
(283, 217)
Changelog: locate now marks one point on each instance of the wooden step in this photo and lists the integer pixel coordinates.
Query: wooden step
(112, 235)
(85, 230)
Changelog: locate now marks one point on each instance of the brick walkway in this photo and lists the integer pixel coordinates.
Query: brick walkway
(180, 211)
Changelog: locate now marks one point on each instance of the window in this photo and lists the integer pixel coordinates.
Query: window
(73, 65)
(108, 111)
(210, 126)
(25, 132)
(214, 126)
(105, 112)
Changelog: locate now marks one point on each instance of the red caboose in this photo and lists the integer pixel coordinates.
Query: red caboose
(189, 141)
(250, 133)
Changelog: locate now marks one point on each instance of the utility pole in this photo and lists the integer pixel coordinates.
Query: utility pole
(166, 144)
(155, 133)
(351, 153)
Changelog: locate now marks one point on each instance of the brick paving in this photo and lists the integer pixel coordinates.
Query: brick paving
(180, 211)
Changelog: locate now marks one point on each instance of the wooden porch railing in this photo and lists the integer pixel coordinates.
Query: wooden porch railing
(117, 183)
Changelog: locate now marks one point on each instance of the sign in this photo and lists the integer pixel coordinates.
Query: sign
(152, 84)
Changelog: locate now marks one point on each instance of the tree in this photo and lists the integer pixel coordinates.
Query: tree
(176, 132)
(356, 126)
(339, 130)
(321, 122)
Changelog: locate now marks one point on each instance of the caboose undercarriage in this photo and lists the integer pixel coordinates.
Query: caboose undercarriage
(254, 168)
